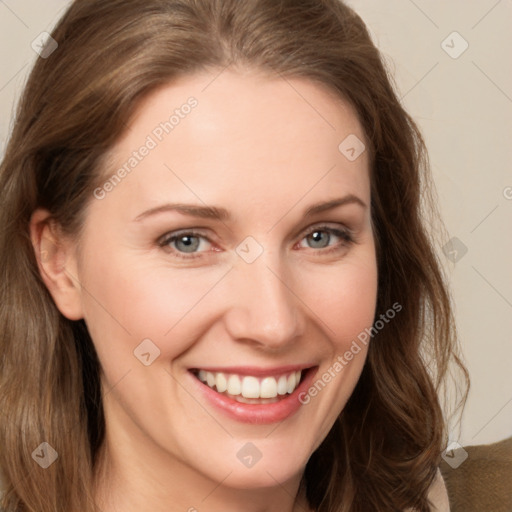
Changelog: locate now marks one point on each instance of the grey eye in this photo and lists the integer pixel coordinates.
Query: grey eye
(186, 243)
(316, 237)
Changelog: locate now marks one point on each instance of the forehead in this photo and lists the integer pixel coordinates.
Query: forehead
(241, 137)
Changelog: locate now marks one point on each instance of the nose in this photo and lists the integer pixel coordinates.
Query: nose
(264, 310)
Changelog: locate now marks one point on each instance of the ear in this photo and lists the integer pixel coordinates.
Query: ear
(56, 260)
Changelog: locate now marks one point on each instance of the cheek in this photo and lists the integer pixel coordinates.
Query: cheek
(343, 297)
(345, 304)
(353, 306)
(128, 301)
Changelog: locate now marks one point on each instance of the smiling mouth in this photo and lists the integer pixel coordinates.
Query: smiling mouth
(249, 389)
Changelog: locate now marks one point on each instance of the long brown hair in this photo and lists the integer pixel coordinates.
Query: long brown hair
(383, 450)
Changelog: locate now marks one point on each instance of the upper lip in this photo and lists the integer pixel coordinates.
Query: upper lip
(256, 371)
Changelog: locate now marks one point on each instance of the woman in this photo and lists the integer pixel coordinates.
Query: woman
(176, 335)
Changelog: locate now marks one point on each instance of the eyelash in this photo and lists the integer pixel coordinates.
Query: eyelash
(345, 234)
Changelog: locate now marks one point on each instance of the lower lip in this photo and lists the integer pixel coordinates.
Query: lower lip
(257, 413)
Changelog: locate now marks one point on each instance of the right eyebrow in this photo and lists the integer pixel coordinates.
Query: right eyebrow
(204, 212)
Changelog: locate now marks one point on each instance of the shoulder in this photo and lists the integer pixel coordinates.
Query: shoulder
(438, 495)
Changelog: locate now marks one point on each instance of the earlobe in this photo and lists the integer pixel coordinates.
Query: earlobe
(57, 264)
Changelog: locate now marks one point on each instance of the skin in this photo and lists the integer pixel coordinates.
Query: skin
(265, 149)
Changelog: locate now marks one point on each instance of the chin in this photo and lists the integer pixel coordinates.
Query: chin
(258, 469)
(262, 477)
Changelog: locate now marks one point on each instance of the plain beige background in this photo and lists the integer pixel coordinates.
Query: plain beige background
(462, 99)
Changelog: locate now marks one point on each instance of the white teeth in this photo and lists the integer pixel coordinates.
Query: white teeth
(210, 379)
(234, 385)
(268, 388)
(291, 383)
(221, 383)
(282, 385)
(251, 387)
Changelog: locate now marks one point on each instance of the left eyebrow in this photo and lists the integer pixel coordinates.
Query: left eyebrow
(334, 203)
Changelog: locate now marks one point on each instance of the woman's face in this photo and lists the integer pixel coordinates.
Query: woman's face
(239, 286)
